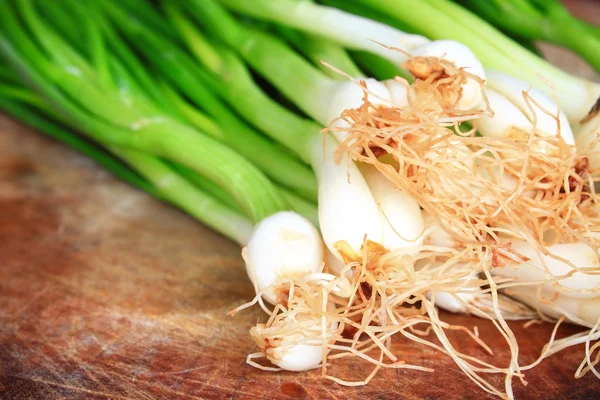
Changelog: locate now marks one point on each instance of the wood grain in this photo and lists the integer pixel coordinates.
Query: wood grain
(105, 293)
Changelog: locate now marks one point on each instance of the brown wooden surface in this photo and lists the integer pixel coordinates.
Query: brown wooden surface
(106, 293)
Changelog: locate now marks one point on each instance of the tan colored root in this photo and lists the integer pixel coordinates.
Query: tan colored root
(553, 201)
(386, 301)
(456, 177)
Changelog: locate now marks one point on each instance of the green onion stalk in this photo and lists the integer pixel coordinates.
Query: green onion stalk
(214, 118)
(315, 49)
(546, 20)
(48, 64)
(358, 9)
(150, 174)
(129, 91)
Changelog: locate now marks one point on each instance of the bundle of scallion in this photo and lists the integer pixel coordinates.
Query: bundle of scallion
(469, 204)
(414, 208)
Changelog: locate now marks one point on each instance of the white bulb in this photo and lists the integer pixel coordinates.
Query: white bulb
(295, 343)
(513, 89)
(436, 235)
(347, 210)
(554, 305)
(398, 92)
(298, 357)
(579, 254)
(448, 302)
(462, 57)
(508, 120)
(283, 246)
(545, 297)
(350, 95)
(335, 265)
(509, 308)
(505, 180)
(587, 134)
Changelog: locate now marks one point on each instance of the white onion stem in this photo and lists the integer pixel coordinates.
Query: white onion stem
(347, 209)
(400, 214)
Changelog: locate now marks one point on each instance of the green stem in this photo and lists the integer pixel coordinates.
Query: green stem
(153, 176)
(318, 50)
(235, 84)
(177, 190)
(9, 102)
(206, 186)
(25, 96)
(11, 96)
(570, 33)
(298, 204)
(199, 45)
(593, 29)
(354, 7)
(292, 75)
(192, 114)
(68, 70)
(238, 88)
(185, 74)
(130, 90)
(7, 75)
(378, 67)
(139, 72)
(306, 209)
(95, 43)
(63, 23)
(252, 191)
(551, 22)
(143, 11)
(517, 17)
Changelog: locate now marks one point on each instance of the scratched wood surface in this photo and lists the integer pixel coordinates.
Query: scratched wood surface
(105, 293)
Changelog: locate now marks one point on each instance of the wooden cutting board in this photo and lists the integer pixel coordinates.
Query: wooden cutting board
(105, 293)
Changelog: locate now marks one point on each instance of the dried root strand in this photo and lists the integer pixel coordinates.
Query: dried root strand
(449, 174)
(485, 192)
